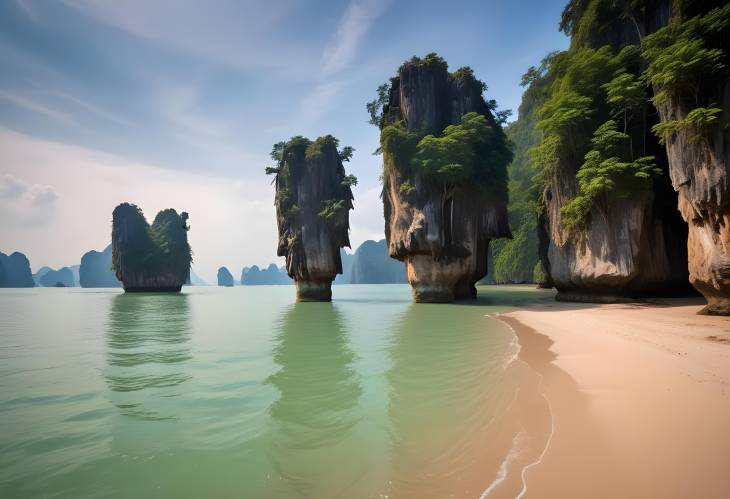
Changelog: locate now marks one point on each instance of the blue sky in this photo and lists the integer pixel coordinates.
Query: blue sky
(177, 103)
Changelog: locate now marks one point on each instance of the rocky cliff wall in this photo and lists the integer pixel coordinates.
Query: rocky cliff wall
(313, 199)
(442, 233)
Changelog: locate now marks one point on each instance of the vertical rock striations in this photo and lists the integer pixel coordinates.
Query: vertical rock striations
(444, 177)
(147, 257)
(608, 227)
(689, 70)
(313, 199)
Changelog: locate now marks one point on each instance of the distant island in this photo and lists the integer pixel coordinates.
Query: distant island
(148, 257)
(15, 271)
(96, 270)
(225, 278)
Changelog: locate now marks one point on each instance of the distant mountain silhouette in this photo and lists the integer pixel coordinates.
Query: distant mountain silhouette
(195, 280)
(40, 273)
(15, 271)
(225, 278)
(372, 265)
(347, 259)
(96, 271)
(62, 277)
(254, 276)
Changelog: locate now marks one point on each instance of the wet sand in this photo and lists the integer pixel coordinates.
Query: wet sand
(637, 400)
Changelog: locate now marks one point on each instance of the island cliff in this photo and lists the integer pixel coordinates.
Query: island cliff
(444, 176)
(147, 257)
(609, 228)
(313, 199)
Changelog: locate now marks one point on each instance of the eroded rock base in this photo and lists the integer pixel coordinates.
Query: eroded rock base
(313, 291)
(716, 306)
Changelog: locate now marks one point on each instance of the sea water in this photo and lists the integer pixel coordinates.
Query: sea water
(241, 392)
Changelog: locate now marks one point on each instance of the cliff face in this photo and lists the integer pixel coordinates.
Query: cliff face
(440, 229)
(699, 158)
(225, 278)
(96, 271)
(147, 257)
(15, 271)
(634, 242)
(313, 199)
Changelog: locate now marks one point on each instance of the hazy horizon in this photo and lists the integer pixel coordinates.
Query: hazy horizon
(177, 104)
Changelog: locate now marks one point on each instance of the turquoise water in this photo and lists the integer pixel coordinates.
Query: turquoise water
(240, 392)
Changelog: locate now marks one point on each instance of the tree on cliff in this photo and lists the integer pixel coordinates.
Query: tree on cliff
(150, 256)
(444, 175)
(313, 199)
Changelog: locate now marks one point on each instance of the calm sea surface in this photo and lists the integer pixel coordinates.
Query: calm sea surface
(240, 392)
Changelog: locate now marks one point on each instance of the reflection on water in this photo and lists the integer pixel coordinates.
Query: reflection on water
(441, 397)
(314, 420)
(147, 345)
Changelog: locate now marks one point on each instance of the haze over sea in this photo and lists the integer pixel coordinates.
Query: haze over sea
(224, 392)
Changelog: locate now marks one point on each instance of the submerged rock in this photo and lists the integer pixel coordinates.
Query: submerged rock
(313, 199)
(444, 178)
(96, 271)
(15, 271)
(153, 257)
(225, 278)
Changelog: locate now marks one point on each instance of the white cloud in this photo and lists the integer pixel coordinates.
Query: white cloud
(233, 32)
(353, 26)
(31, 105)
(24, 204)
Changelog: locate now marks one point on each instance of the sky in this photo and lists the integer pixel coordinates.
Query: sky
(176, 104)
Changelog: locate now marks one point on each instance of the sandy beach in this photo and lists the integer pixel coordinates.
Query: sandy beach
(639, 399)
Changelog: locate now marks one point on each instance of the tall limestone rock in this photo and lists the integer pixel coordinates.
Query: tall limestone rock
(153, 257)
(444, 177)
(313, 200)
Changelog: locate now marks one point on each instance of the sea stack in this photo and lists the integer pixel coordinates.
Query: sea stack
(313, 200)
(445, 160)
(153, 257)
(225, 278)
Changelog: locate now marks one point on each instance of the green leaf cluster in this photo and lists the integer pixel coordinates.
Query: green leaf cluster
(470, 153)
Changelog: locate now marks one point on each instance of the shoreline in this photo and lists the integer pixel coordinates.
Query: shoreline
(639, 396)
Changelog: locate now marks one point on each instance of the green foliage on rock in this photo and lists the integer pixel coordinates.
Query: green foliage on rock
(140, 248)
(471, 153)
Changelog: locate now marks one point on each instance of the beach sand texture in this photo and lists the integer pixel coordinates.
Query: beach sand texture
(638, 396)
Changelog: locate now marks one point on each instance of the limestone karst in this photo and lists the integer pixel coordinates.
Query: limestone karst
(610, 164)
(96, 270)
(148, 257)
(444, 176)
(15, 271)
(313, 200)
(225, 278)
